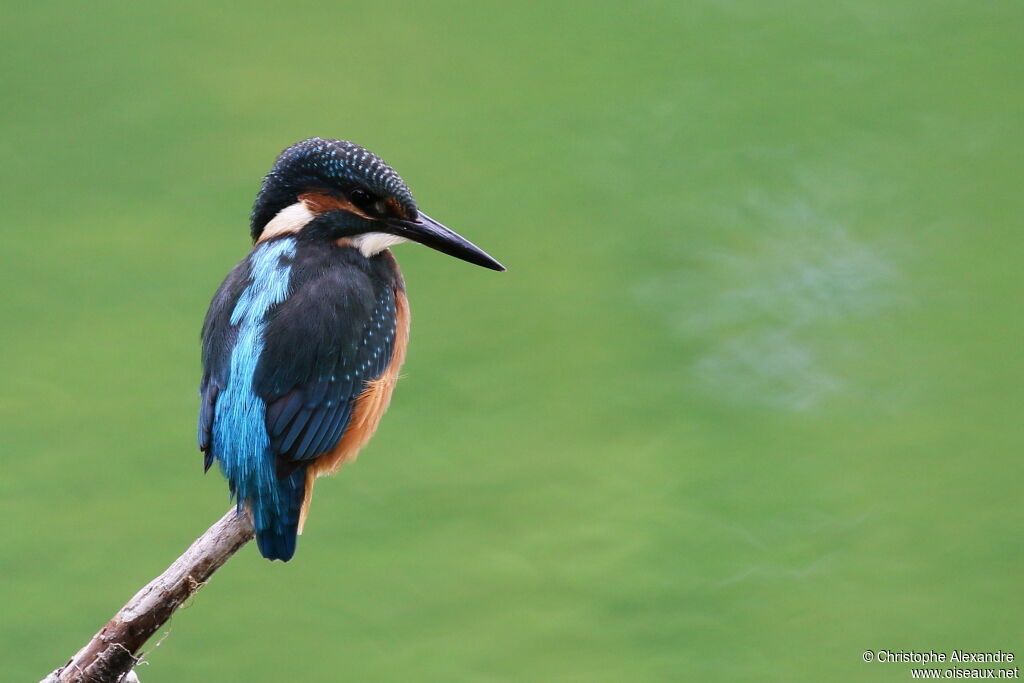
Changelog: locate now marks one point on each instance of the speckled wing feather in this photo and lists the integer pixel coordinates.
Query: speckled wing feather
(334, 333)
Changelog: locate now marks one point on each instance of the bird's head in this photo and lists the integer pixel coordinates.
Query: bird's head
(341, 191)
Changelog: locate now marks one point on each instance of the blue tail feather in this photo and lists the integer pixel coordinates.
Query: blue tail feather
(276, 516)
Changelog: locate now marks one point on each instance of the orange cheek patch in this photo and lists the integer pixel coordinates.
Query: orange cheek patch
(317, 203)
(397, 209)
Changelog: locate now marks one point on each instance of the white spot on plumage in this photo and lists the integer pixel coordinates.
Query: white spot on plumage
(288, 220)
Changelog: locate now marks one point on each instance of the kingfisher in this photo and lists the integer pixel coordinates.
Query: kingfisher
(303, 341)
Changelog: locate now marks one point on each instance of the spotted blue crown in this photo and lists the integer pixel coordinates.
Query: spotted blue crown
(325, 165)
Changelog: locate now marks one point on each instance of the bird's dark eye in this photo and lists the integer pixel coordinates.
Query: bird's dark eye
(361, 198)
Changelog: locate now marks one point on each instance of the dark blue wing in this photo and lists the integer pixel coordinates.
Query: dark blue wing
(334, 333)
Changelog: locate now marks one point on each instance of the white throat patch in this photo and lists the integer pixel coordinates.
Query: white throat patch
(372, 243)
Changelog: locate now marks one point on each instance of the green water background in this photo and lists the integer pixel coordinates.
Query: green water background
(746, 403)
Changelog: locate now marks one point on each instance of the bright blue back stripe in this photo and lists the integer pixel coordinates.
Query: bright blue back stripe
(239, 434)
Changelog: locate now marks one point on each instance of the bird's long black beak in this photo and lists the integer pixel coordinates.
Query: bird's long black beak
(430, 233)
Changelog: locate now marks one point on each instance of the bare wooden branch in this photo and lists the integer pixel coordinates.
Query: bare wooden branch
(112, 653)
